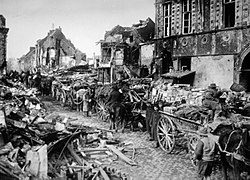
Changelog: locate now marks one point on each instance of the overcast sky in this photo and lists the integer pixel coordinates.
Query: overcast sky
(84, 22)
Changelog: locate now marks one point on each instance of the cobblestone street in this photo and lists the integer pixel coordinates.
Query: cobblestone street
(153, 163)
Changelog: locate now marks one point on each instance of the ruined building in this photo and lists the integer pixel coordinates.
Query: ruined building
(3, 43)
(53, 51)
(120, 48)
(210, 37)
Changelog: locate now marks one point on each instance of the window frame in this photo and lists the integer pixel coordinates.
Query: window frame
(225, 15)
(188, 12)
(168, 17)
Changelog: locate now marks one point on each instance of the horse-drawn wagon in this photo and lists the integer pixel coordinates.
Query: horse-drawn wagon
(231, 135)
(170, 127)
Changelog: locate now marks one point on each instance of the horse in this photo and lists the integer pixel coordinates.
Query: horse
(117, 113)
(234, 145)
(122, 114)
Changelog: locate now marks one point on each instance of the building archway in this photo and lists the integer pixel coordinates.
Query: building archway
(244, 77)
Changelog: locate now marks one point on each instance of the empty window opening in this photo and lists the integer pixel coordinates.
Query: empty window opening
(185, 64)
(229, 13)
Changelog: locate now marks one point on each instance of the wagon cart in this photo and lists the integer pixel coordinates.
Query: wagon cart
(170, 127)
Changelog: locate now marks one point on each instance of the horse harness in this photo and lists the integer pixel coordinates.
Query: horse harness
(235, 154)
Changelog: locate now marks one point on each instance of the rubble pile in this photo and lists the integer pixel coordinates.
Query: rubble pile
(184, 101)
(36, 144)
(174, 94)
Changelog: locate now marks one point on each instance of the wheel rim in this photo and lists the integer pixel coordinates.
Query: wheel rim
(192, 143)
(166, 134)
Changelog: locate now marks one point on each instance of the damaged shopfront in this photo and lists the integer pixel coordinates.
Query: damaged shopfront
(199, 38)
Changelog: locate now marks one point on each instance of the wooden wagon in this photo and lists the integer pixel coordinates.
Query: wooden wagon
(170, 127)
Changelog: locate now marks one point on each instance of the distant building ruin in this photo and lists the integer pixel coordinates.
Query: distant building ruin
(53, 51)
(3, 43)
(121, 47)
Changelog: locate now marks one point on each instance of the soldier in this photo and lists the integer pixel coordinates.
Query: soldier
(154, 121)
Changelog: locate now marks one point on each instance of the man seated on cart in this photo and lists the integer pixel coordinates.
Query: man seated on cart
(211, 104)
(205, 152)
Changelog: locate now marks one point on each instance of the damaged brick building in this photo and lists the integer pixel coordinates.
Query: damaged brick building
(121, 49)
(210, 37)
(53, 51)
(3, 43)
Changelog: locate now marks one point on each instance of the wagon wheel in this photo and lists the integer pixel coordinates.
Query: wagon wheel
(166, 134)
(192, 143)
(62, 97)
(102, 112)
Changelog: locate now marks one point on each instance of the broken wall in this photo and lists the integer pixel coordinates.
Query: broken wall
(67, 62)
(213, 69)
(147, 53)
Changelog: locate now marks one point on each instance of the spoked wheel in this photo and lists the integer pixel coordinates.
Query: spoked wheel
(192, 143)
(166, 134)
(102, 111)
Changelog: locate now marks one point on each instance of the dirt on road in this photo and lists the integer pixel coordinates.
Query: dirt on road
(153, 163)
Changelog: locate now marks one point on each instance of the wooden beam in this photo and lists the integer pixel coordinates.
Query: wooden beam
(104, 174)
(92, 149)
(121, 155)
(73, 153)
(79, 160)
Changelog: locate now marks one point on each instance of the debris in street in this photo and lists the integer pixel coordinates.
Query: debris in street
(122, 156)
(43, 145)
